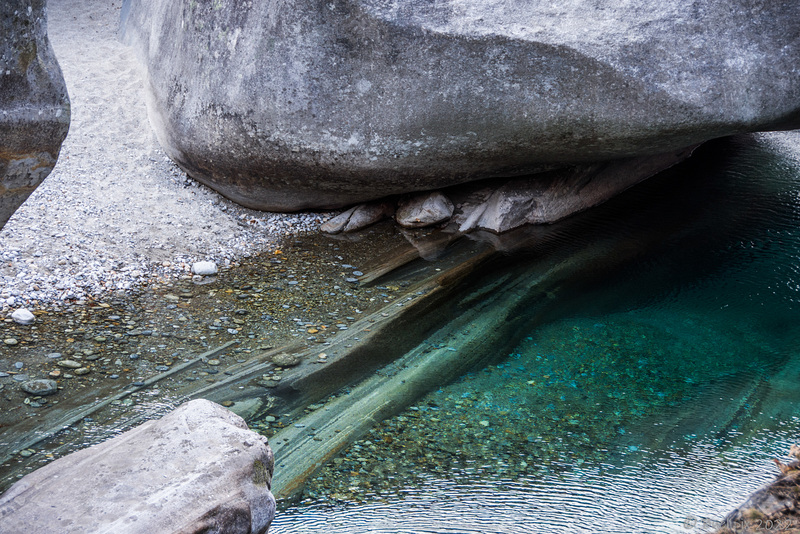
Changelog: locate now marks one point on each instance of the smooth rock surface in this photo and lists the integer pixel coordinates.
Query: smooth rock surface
(23, 316)
(34, 105)
(204, 268)
(198, 469)
(358, 217)
(422, 210)
(309, 103)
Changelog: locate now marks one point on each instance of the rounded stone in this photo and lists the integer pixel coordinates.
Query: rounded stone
(40, 387)
(82, 371)
(23, 316)
(10, 341)
(69, 364)
(204, 268)
(283, 359)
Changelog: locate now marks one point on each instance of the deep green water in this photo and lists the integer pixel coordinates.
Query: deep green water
(647, 394)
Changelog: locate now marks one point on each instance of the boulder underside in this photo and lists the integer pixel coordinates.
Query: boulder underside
(315, 104)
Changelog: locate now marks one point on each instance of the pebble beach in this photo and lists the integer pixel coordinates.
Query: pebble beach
(116, 211)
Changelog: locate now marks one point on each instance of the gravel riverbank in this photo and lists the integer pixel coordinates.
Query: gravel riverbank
(116, 212)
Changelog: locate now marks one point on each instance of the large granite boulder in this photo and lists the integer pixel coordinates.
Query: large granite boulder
(293, 104)
(196, 470)
(34, 105)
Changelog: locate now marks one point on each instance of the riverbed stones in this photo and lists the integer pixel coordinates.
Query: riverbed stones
(198, 469)
(34, 105)
(369, 98)
(40, 387)
(23, 316)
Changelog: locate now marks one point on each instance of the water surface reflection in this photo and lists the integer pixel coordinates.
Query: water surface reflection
(646, 392)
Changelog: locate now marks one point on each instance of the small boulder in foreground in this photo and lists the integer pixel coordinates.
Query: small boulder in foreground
(198, 469)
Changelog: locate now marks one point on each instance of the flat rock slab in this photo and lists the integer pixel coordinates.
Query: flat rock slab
(198, 469)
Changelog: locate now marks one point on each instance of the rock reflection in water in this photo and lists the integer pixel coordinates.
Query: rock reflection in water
(647, 393)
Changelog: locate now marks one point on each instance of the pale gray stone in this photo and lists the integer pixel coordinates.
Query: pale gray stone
(358, 217)
(204, 268)
(368, 214)
(198, 469)
(23, 316)
(336, 225)
(424, 209)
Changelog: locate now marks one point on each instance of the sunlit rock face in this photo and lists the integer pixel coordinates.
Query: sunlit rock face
(197, 469)
(34, 105)
(292, 104)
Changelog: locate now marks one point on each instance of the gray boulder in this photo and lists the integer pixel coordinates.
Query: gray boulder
(34, 105)
(198, 469)
(318, 104)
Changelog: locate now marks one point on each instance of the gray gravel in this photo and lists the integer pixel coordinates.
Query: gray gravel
(116, 212)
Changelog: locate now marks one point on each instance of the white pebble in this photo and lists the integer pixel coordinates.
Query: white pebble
(204, 268)
(23, 316)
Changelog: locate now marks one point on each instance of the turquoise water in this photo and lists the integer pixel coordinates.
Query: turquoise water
(647, 394)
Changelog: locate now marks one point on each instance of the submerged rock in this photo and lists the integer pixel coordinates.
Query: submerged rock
(316, 104)
(198, 469)
(34, 105)
(284, 359)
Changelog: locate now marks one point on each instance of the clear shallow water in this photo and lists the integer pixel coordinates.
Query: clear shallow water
(648, 395)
